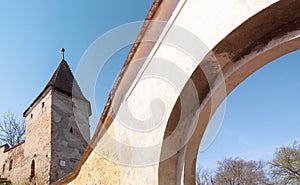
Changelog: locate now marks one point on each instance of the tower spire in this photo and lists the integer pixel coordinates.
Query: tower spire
(63, 53)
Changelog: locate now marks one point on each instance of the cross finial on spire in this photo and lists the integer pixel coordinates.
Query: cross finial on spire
(63, 53)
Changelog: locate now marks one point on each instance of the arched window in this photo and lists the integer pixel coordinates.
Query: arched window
(3, 168)
(10, 164)
(32, 170)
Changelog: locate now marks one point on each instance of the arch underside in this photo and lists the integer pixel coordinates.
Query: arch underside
(249, 35)
(271, 33)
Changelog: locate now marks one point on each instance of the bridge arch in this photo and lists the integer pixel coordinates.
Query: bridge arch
(241, 36)
(263, 37)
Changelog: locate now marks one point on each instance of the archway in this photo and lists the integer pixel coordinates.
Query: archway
(261, 116)
(269, 34)
(243, 36)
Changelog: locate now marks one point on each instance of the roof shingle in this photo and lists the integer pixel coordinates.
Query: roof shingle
(63, 81)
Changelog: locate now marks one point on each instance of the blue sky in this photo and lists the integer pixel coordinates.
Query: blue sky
(261, 113)
(32, 33)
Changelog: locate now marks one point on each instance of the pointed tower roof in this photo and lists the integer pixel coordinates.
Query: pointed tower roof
(63, 81)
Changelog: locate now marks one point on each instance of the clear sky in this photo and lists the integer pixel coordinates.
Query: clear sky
(33, 32)
(261, 113)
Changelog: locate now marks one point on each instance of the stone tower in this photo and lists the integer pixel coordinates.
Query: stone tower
(57, 128)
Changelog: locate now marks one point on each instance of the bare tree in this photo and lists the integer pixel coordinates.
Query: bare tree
(204, 177)
(285, 167)
(12, 130)
(235, 171)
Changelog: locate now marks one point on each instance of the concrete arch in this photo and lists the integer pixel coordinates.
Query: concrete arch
(241, 36)
(265, 36)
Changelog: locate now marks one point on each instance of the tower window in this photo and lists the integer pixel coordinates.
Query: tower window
(3, 168)
(32, 169)
(31, 116)
(43, 104)
(71, 130)
(10, 164)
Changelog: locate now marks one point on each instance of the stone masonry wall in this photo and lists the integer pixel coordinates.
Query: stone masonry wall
(68, 143)
(12, 166)
(98, 170)
(38, 141)
(16, 162)
(3, 157)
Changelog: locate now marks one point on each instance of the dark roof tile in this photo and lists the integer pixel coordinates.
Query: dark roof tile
(63, 81)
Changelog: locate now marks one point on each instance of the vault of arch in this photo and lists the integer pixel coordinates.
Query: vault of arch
(271, 31)
(269, 34)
